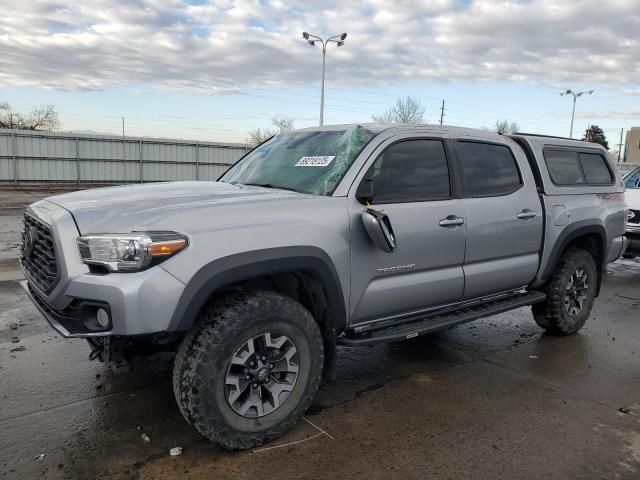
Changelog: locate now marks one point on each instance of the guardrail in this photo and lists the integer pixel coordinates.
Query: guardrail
(46, 157)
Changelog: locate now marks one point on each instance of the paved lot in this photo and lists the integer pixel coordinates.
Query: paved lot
(12, 203)
(491, 399)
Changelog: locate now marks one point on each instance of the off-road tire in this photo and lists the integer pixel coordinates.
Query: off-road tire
(206, 350)
(552, 314)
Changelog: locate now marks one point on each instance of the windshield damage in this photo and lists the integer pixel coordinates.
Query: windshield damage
(308, 161)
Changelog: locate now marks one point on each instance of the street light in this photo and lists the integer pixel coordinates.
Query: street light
(575, 97)
(311, 40)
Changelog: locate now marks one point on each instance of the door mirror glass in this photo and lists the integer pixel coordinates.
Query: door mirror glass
(378, 227)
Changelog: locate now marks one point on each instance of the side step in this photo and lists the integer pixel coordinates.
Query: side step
(435, 322)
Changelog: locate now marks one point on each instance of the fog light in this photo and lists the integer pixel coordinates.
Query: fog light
(103, 317)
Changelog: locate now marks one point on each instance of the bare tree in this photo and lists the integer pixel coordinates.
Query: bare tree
(43, 117)
(506, 127)
(281, 123)
(409, 110)
(259, 135)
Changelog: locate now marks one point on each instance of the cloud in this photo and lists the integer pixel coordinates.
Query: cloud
(618, 114)
(235, 45)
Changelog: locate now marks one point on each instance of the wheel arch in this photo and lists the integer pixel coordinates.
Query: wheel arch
(584, 234)
(311, 267)
(233, 269)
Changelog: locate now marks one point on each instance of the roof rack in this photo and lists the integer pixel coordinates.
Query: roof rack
(546, 136)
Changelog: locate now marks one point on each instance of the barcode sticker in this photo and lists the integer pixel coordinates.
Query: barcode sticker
(315, 161)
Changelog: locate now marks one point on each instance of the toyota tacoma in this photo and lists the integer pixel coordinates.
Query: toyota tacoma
(334, 236)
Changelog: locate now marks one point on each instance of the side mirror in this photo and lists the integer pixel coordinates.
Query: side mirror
(378, 227)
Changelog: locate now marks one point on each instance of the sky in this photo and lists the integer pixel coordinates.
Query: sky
(213, 70)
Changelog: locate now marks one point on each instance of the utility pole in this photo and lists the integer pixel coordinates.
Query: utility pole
(311, 40)
(441, 112)
(575, 97)
(620, 144)
(124, 143)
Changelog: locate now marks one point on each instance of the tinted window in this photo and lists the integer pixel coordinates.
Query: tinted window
(595, 169)
(564, 167)
(632, 180)
(411, 171)
(489, 170)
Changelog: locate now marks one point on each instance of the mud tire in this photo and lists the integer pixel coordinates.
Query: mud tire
(203, 357)
(552, 314)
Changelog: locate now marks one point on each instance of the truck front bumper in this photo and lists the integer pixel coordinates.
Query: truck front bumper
(136, 303)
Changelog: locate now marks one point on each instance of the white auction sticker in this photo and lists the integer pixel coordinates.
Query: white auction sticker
(315, 161)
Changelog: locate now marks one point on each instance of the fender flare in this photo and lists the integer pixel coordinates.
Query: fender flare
(244, 266)
(569, 234)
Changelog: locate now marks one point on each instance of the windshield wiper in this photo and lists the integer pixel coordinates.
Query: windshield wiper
(270, 185)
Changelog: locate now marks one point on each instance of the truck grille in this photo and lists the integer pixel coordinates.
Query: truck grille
(634, 217)
(38, 255)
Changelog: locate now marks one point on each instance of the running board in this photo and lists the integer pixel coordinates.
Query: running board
(434, 322)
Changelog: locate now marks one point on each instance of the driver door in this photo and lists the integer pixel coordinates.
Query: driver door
(412, 184)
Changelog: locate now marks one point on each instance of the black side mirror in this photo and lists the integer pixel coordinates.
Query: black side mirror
(379, 229)
(364, 193)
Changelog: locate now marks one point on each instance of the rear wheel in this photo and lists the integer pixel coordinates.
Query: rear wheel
(570, 292)
(249, 369)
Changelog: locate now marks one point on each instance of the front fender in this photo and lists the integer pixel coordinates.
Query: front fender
(247, 265)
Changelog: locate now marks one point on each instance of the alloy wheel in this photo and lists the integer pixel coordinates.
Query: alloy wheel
(262, 374)
(576, 292)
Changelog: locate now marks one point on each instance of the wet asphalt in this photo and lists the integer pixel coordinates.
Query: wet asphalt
(496, 398)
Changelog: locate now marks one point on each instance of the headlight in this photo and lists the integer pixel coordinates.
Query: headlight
(131, 252)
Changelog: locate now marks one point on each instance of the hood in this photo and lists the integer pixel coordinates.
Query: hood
(632, 198)
(160, 206)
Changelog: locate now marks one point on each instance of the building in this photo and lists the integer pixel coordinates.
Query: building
(632, 145)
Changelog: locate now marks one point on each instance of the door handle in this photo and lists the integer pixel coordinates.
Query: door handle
(526, 214)
(451, 221)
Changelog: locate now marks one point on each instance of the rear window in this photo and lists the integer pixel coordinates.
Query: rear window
(569, 167)
(564, 167)
(595, 168)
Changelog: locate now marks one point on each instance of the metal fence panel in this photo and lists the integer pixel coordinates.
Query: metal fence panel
(153, 172)
(46, 170)
(28, 156)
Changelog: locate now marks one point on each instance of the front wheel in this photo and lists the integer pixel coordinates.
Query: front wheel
(249, 369)
(571, 291)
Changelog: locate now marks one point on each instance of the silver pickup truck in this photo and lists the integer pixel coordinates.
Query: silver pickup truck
(343, 235)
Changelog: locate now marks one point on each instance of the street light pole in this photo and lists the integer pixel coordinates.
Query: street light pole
(575, 97)
(324, 56)
(311, 40)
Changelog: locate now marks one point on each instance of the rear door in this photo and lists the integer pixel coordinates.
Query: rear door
(504, 217)
(413, 185)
